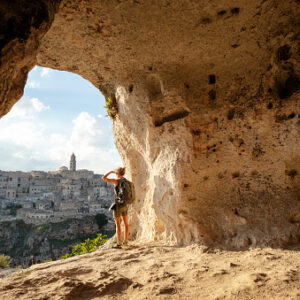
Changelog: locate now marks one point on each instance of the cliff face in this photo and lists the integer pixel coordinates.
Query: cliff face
(27, 243)
(208, 109)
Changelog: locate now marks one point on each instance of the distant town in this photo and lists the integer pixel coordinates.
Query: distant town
(40, 197)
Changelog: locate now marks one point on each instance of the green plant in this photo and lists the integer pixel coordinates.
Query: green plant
(66, 256)
(47, 260)
(42, 227)
(111, 107)
(4, 261)
(87, 247)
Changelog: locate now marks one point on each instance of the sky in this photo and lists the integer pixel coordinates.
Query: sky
(59, 113)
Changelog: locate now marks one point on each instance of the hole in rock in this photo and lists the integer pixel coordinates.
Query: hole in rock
(235, 10)
(292, 173)
(212, 79)
(283, 53)
(60, 113)
(270, 105)
(221, 12)
(291, 115)
(289, 87)
(212, 94)
(230, 114)
(235, 174)
(172, 117)
(130, 88)
(154, 86)
(205, 20)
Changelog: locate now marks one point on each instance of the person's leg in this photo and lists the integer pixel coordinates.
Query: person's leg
(118, 229)
(125, 220)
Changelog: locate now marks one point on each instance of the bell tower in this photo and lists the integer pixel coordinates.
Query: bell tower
(73, 162)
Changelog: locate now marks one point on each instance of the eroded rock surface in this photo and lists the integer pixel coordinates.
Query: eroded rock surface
(208, 109)
(22, 25)
(154, 271)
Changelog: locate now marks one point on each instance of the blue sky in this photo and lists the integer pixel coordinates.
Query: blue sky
(60, 113)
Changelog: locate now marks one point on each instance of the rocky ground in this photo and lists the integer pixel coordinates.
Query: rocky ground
(157, 271)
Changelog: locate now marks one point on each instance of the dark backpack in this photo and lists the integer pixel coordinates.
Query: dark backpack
(125, 192)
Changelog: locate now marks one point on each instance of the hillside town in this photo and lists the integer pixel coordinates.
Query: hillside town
(40, 197)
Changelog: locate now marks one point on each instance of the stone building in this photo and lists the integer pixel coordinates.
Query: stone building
(54, 195)
(11, 194)
(73, 162)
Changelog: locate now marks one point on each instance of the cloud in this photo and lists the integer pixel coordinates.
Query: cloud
(45, 72)
(35, 148)
(24, 133)
(33, 84)
(25, 109)
(57, 138)
(18, 155)
(90, 140)
(37, 105)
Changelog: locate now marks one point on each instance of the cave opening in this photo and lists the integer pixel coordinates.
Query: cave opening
(59, 113)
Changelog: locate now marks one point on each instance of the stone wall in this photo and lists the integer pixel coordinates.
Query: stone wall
(207, 95)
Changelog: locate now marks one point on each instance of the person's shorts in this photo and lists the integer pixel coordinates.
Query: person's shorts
(120, 211)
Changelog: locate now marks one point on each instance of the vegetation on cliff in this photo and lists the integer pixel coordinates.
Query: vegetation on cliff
(5, 261)
(88, 246)
(111, 107)
(29, 243)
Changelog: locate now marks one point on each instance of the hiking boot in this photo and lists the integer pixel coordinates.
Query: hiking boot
(117, 246)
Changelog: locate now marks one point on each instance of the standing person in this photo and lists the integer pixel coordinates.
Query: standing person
(119, 210)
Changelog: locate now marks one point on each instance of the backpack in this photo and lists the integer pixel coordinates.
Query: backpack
(125, 192)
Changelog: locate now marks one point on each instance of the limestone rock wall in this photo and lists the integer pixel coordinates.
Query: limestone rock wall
(22, 25)
(208, 110)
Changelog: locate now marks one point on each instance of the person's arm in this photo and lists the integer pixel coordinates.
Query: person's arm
(114, 181)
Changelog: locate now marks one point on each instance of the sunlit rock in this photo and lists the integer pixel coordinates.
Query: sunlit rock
(207, 95)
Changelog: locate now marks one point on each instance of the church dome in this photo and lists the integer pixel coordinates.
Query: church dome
(63, 168)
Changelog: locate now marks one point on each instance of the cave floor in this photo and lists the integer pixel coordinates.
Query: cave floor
(157, 271)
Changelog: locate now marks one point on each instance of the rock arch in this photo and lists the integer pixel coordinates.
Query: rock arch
(208, 97)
